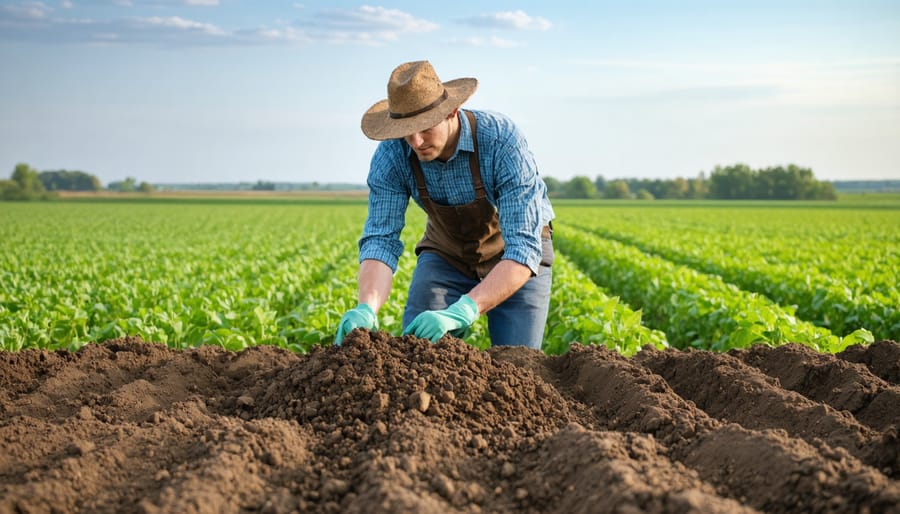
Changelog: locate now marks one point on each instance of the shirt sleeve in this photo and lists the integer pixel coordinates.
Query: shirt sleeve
(518, 193)
(388, 200)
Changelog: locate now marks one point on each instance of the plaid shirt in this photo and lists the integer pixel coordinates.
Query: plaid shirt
(510, 177)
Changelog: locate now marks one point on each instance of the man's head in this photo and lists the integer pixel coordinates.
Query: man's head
(417, 102)
(437, 142)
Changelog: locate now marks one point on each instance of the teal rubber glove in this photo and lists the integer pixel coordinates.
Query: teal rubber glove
(456, 319)
(361, 316)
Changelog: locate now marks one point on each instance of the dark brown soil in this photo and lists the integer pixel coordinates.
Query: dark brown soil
(385, 424)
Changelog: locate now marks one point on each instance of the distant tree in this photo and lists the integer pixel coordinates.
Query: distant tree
(617, 189)
(635, 184)
(263, 186)
(129, 185)
(24, 184)
(732, 182)
(737, 181)
(643, 194)
(823, 191)
(791, 183)
(580, 187)
(27, 178)
(10, 190)
(63, 180)
(677, 188)
(774, 183)
(554, 186)
(146, 187)
(764, 184)
(698, 188)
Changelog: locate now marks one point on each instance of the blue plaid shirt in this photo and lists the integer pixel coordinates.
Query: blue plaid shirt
(510, 179)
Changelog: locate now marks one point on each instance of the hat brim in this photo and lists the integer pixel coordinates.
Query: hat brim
(377, 123)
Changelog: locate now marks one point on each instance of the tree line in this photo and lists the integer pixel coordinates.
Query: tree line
(735, 182)
(26, 183)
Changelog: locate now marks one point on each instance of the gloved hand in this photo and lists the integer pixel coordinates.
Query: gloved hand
(455, 319)
(361, 316)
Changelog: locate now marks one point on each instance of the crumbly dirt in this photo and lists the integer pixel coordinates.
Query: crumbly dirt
(387, 424)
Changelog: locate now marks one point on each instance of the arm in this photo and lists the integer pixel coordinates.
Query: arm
(505, 279)
(380, 246)
(520, 197)
(375, 279)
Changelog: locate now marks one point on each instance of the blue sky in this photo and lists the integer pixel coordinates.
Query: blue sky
(228, 90)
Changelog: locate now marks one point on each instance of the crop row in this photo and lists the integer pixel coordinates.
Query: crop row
(582, 312)
(841, 306)
(858, 248)
(198, 276)
(694, 309)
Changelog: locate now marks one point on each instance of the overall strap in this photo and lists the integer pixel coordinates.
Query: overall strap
(417, 173)
(474, 167)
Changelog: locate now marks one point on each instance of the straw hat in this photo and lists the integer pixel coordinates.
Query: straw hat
(417, 100)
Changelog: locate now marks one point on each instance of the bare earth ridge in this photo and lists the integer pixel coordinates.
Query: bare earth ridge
(389, 424)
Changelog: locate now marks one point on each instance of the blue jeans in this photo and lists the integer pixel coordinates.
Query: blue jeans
(518, 321)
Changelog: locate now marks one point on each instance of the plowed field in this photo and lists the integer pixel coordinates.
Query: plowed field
(387, 424)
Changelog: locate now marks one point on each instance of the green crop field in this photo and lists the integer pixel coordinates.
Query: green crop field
(242, 272)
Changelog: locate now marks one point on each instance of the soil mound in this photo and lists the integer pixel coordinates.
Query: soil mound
(387, 424)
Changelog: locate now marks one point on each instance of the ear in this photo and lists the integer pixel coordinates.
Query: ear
(453, 113)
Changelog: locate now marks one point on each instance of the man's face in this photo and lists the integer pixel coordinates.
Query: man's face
(433, 143)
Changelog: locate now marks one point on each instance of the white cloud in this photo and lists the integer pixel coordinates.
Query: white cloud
(178, 24)
(365, 25)
(514, 20)
(36, 22)
(281, 35)
(169, 3)
(66, 4)
(372, 19)
(26, 11)
(493, 41)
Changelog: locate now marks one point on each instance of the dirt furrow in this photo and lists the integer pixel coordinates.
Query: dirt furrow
(776, 473)
(400, 424)
(882, 358)
(636, 399)
(729, 390)
(825, 378)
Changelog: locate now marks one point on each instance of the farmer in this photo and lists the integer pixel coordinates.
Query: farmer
(486, 246)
